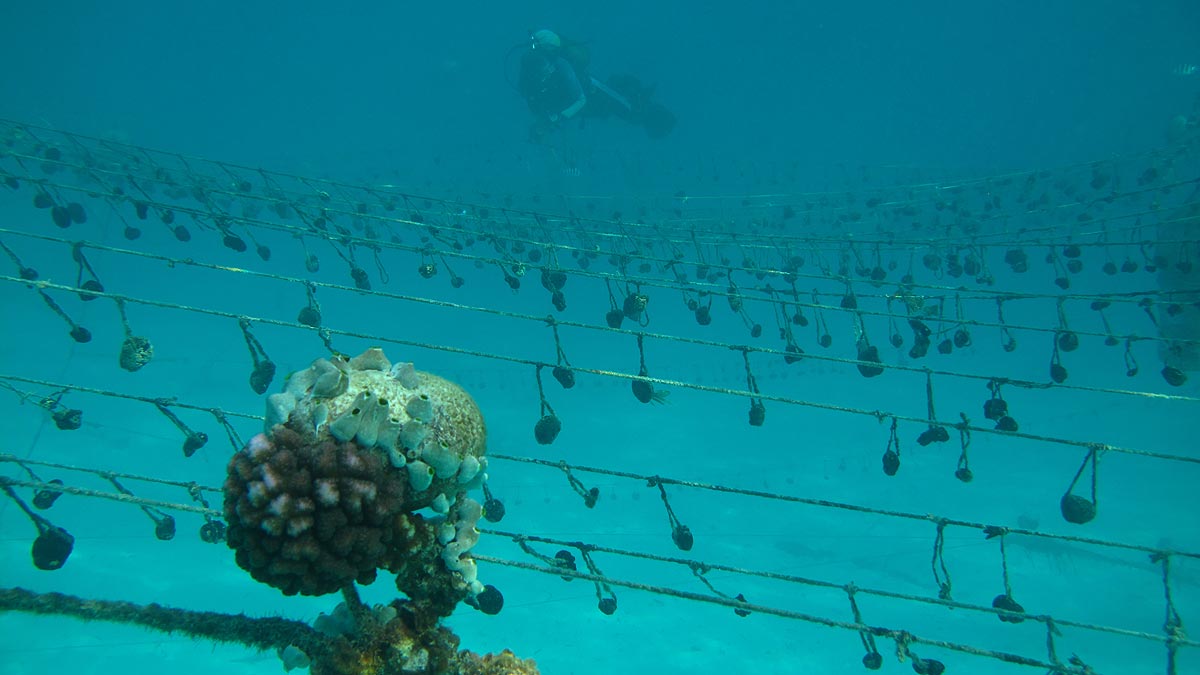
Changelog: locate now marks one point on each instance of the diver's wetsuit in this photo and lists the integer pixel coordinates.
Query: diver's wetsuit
(548, 83)
(555, 87)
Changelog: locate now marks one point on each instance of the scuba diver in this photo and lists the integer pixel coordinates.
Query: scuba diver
(555, 83)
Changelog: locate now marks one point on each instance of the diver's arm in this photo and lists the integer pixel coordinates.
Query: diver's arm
(571, 110)
(571, 83)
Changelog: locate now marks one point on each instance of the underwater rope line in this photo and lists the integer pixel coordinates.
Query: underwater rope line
(663, 282)
(825, 503)
(956, 184)
(443, 241)
(261, 633)
(791, 578)
(190, 262)
(114, 496)
(775, 297)
(90, 168)
(137, 153)
(901, 636)
(741, 242)
(326, 331)
(1173, 641)
(189, 485)
(1051, 622)
(759, 240)
(134, 150)
(822, 503)
(229, 217)
(276, 632)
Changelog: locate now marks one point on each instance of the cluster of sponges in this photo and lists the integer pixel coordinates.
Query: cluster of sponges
(310, 515)
(353, 448)
(421, 574)
(458, 535)
(425, 426)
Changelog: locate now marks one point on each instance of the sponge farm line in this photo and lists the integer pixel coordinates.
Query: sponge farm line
(458, 225)
(565, 567)
(325, 333)
(1065, 258)
(1000, 197)
(197, 490)
(515, 234)
(1092, 264)
(923, 302)
(1092, 447)
(309, 287)
(222, 416)
(710, 260)
(938, 297)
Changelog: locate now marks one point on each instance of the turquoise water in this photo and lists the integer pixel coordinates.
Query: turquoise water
(977, 131)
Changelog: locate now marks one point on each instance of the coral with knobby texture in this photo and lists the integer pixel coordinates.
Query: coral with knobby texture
(353, 447)
(309, 516)
(329, 494)
(425, 426)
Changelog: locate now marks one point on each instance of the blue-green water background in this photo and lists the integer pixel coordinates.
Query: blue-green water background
(770, 97)
(420, 90)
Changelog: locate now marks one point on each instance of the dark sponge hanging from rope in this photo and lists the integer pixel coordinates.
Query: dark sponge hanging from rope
(869, 354)
(547, 429)
(1174, 376)
(565, 376)
(52, 548)
(1005, 602)
(1077, 510)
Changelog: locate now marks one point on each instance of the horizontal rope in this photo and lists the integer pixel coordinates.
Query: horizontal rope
(890, 633)
(190, 508)
(104, 473)
(791, 578)
(139, 153)
(129, 397)
(113, 496)
(970, 323)
(825, 503)
(376, 244)
(776, 297)
(260, 633)
(661, 336)
(767, 244)
(959, 183)
(140, 501)
(877, 414)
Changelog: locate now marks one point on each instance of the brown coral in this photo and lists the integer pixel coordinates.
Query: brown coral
(310, 515)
